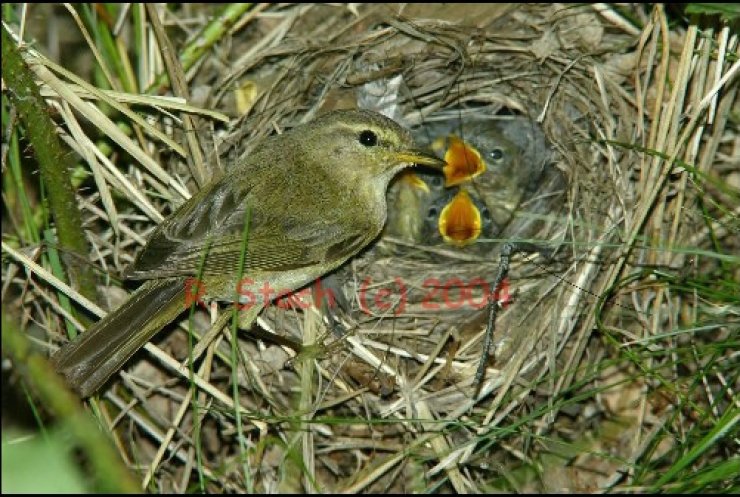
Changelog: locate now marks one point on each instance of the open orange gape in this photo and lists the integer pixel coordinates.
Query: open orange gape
(495, 169)
(460, 220)
(464, 162)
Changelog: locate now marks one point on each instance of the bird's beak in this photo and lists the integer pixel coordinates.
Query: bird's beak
(463, 162)
(420, 158)
(460, 221)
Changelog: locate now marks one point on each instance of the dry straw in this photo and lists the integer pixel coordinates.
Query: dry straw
(391, 404)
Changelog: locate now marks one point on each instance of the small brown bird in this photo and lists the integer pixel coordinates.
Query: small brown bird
(302, 202)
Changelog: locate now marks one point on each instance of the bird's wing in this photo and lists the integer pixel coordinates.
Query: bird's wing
(208, 233)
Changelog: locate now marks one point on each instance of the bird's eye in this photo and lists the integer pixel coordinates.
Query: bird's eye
(497, 154)
(368, 138)
(432, 213)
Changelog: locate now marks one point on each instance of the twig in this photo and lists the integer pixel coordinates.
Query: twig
(508, 249)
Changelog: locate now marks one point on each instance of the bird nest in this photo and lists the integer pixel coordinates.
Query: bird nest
(377, 390)
(402, 351)
(413, 334)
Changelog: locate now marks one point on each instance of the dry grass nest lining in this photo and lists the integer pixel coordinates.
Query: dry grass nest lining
(449, 71)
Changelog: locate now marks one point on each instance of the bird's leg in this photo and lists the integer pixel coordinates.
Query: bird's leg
(329, 296)
(248, 316)
(245, 320)
(209, 336)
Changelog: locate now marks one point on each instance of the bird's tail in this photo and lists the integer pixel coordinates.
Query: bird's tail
(88, 362)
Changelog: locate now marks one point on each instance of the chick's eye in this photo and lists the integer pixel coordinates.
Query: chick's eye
(497, 154)
(368, 138)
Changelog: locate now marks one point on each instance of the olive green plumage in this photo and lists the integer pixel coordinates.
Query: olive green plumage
(315, 196)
